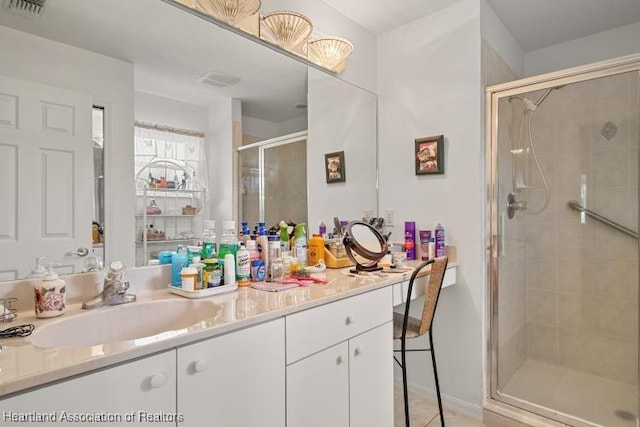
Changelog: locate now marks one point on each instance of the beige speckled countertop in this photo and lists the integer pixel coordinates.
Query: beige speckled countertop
(23, 365)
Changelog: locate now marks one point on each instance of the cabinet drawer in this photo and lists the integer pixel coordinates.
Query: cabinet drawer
(315, 329)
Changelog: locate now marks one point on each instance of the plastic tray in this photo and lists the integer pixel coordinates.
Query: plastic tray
(204, 292)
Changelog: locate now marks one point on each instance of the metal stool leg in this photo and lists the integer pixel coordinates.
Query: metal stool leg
(435, 376)
(404, 383)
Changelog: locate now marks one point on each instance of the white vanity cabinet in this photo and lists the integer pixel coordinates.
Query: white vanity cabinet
(234, 380)
(340, 363)
(144, 390)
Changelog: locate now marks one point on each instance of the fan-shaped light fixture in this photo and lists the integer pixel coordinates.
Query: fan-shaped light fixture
(229, 11)
(286, 29)
(329, 52)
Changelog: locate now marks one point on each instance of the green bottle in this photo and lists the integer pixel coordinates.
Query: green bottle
(284, 237)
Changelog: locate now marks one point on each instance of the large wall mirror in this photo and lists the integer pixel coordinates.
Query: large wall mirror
(149, 62)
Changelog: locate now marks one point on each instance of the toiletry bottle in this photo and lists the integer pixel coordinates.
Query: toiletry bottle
(208, 240)
(49, 294)
(425, 236)
(284, 237)
(229, 269)
(322, 230)
(178, 262)
(198, 265)
(245, 233)
(262, 243)
(274, 253)
(189, 278)
(431, 248)
(300, 234)
(253, 252)
(243, 266)
(316, 249)
(410, 239)
(228, 245)
(440, 244)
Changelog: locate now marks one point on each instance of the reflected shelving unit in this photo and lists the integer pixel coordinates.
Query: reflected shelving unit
(178, 220)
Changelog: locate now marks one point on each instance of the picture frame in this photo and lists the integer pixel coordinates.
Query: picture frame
(334, 167)
(429, 155)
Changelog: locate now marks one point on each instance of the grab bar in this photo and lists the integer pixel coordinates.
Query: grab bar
(577, 207)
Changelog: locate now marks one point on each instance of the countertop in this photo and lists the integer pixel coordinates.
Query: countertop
(23, 365)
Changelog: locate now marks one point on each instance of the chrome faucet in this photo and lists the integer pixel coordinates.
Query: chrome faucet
(114, 290)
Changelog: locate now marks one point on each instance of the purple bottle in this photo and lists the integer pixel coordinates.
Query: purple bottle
(410, 239)
(440, 246)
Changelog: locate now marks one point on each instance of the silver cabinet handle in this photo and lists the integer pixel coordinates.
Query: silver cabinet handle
(339, 360)
(349, 320)
(358, 351)
(200, 365)
(157, 380)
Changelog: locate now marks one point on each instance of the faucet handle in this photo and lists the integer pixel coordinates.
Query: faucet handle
(122, 287)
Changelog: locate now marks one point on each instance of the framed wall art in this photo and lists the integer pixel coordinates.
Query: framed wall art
(334, 167)
(429, 155)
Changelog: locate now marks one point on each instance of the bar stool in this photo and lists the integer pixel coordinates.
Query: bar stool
(407, 327)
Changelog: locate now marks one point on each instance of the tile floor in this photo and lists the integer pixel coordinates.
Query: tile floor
(424, 412)
(589, 397)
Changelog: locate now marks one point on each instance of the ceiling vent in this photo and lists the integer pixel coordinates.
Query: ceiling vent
(218, 79)
(30, 8)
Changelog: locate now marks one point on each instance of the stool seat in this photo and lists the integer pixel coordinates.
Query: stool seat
(413, 326)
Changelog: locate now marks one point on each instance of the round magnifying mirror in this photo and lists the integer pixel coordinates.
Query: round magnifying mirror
(364, 245)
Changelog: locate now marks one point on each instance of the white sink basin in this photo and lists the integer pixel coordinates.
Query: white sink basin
(124, 322)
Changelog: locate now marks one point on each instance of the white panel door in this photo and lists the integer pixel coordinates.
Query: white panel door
(318, 389)
(136, 393)
(46, 170)
(236, 380)
(371, 377)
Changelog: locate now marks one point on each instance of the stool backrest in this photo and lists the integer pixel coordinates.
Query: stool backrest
(436, 276)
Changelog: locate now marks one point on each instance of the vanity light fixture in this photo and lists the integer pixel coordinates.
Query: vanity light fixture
(286, 29)
(229, 11)
(329, 52)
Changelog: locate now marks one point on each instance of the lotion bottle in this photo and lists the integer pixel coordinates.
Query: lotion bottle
(49, 295)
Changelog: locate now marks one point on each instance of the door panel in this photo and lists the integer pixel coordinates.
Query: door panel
(47, 171)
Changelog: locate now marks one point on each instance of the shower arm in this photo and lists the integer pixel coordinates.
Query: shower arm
(577, 207)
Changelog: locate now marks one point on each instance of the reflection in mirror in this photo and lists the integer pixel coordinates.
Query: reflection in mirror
(148, 74)
(273, 180)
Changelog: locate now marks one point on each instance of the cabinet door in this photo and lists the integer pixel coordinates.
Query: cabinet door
(234, 380)
(137, 393)
(371, 377)
(318, 389)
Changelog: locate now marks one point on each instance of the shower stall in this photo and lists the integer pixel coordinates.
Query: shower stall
(562, 227)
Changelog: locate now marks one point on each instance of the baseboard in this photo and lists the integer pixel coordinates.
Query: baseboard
(448, 401)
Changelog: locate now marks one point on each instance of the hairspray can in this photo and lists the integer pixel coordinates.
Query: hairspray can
(410, 239)
(440, 245)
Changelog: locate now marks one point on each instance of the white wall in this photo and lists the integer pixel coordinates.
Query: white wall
(110, 83)
(341, 118)
(429, 84)
(159, 110)
(361, 68)
(219, 150)
(610, 44)
(497, 35)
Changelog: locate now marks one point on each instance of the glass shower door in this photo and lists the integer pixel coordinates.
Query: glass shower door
(565, 293)
(273, 180)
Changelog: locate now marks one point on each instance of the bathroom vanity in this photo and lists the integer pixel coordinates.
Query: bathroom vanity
(309, 356)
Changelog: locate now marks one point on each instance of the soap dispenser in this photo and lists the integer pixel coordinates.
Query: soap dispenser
(50, 295)
(39, 270)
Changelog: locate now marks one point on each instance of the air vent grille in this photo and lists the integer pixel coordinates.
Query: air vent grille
(31, 8)
(218, 79)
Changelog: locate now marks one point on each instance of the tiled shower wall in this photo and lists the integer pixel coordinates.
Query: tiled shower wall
(512, 261)
(582, 278)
